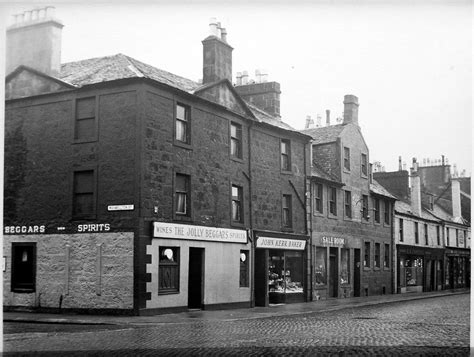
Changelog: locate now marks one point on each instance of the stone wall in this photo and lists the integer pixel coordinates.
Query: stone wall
(76, 271)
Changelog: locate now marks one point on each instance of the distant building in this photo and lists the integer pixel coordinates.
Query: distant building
(129, 189)
(351, 220)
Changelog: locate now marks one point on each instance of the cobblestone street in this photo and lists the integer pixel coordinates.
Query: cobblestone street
(433, 326)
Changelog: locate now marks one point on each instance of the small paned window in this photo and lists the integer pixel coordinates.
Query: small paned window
(285, 155)
(376, 210)
(237, 204)
(363, 164)
(386, 260)
(387, 212)
(377, 255)
(23, 278)
(438, 235)
(401, 230)
(286, 211)
(318, 197)
(333, 201)
(182, 195)
(417, 236)
(367, 254)
(83, 194)
(426, 234)
(85, 124)
(365, 207)
(348, 204)
(347, 159)
(244, 269)
(182, 132)
(168, 277)
(236, 140)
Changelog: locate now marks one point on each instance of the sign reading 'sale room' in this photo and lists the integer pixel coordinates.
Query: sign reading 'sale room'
(184, 231)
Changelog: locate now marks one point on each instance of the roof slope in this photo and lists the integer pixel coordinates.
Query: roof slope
(264, 117)
(405, 208)
(378, 189)
(325, 134)
(319, 172)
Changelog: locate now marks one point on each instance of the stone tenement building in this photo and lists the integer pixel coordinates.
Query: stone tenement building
(129, 189)
(351, 221)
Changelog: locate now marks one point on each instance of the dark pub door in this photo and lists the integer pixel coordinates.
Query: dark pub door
(195, 278)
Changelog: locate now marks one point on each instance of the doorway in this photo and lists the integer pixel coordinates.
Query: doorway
(261, 276)
(356, 272)
(333, 273)
(196, 278)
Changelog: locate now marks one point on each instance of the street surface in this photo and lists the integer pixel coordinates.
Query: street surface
(426, 327)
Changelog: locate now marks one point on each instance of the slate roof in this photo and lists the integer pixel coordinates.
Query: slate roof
(405, 208)
(325, 134)
(264, 117)
(378, 189)
(319, 172)
(119, 66)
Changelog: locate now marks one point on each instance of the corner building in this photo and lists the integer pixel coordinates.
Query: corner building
(152, 193)
(351, 214)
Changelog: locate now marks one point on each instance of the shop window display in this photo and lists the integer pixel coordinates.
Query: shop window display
(285, 275)
(320, 277)
(414, 271)
(345, 267)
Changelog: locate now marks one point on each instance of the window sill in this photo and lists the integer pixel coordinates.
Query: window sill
(182, 218)
(168, 292)
(386, 224)
(367, 268)
(287, 229)
(318, 214)
(237, 159)
(376, 268)
(331, 216)
(386, 268)
(182, 145)
(349, 219)
(346, 171)
(237, 224)
(286, 172)
(377, 223)
(23, 290)
(84, 141)
(364, 176)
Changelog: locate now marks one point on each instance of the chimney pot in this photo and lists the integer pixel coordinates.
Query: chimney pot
(328, 117)
(351, 109)
(224, 34)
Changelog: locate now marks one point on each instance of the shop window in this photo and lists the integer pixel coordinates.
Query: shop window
(365, 207)
(448, 273)
(318, 197)
(376, 210)
(320, 277)
(285, 155)
(182, 195)
(377, 255)
(23, 278)
(414, 271)
(285, 275)
(386, 259)
(447, 236)
(236, 140)
(85, 123)
(426, 234)
(387, 212)
(363, 164)
(333, 201)
(244, 269)
(84, 205)
(367, 254)
(417, 235)
(237, 204)
(347, 204)
(347, 159)
(286, 211)
(168, 278)
(438, 235)
(345, 266)
(400, 232)
(182, 129)
(457, 238)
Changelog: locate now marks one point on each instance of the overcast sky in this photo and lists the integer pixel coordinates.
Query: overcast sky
(410, 64)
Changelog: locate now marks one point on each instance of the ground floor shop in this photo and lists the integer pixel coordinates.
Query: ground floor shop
(280, 268)
(419, 268)
(349, 266)
(75, 267)
(198, 267)
(458, 268)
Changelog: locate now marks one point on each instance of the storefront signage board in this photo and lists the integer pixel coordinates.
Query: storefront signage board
(188, 232)
(280, 243)
(333, 241)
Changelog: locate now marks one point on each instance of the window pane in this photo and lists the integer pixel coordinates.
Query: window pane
(168, 277)
(181, 203)
(345, 266)
(244, 268)
(320, 267)
(367, 254)
(181, 112)
(181, 131)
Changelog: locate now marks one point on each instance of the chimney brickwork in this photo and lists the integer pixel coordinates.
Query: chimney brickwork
(34, 40)
(265, 96)
(217, 55)
(456, 197)
(415, 196)
(351, 109)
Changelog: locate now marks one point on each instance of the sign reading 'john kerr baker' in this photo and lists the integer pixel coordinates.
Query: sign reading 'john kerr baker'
(184, 231)
(280, 243)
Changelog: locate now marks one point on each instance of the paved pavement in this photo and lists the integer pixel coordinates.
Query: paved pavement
(418, 324)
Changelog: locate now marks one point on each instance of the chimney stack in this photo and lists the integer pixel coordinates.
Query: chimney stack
(415, 189)
(456, 198)
(351, 109)
(328, 117)
(399, 163)
(217, 54)
(309, 122)
(34, 40)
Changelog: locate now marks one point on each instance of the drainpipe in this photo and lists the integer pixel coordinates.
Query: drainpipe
(252, 255)
(309, 217)
(394, 252)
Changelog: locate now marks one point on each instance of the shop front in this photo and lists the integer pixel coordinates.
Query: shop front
(280, 269)
(198, 267)
(419, 269)
(337, 266)
(458, 268)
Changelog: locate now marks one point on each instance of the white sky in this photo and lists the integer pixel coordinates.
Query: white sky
(410, 64)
